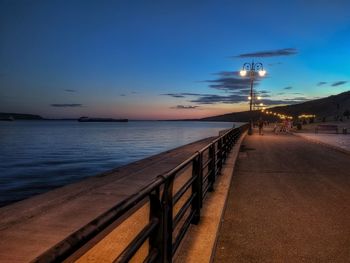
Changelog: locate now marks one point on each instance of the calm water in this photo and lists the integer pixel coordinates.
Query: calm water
(37, 156)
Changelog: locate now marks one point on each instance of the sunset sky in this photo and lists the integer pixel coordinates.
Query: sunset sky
(165, 59)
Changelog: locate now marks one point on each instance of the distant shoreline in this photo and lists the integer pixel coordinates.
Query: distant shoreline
(326, 108)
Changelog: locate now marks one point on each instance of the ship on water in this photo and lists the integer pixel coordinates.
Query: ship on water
(9, 118)
(87, 119)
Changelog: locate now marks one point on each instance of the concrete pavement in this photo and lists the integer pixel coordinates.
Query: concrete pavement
(288, 202)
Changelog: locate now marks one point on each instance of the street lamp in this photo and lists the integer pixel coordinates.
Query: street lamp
(252, 69)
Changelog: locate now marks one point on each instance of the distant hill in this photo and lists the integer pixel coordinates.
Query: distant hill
(328, 107)
(20, 116)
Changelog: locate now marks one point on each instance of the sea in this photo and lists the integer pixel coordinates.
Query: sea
(38, 156)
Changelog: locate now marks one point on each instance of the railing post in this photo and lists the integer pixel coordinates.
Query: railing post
(220, 154)
(227, 144)
(233, 138)
(211, 176)
(155, 239)
(197, 188)
(226, 141)
(167, 210)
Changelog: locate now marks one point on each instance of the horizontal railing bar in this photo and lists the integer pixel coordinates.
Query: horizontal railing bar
(206, 176)
(73, 242)
(183, 210)
(205, 191)
(137, 242)
(181, 166)
(205, 148)
(183, 190)
(207, 163)
(216, 171)
(182, 232)
(152, 256)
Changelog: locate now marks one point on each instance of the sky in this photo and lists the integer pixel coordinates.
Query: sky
(165, 59)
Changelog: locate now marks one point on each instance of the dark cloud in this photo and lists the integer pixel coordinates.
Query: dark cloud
(235, 98)
(184, 107)
(339, 83)
(174, 95)
(264, 93)
(227, 73)
(269, 53)
(321, 83)
(213, 99)
(190, 94)
(70, 90)
(181, 95)
(288, 88)
(66, 105)
(122, 95)
(231, 81)
(281, 93)
(297, 93)
(274, 64)
(283, 102)
(298, 99)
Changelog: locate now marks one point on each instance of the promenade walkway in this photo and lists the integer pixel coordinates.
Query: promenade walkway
(288, 202)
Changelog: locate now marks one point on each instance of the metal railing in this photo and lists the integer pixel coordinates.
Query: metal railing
(163, 241)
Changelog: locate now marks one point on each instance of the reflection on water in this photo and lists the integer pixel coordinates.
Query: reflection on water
(36, 156)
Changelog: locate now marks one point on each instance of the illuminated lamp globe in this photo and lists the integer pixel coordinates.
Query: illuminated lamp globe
(243, 73)
(262, 73)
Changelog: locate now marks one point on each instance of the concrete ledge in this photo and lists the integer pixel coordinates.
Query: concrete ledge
(200, 241)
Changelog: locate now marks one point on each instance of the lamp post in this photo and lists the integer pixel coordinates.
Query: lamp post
(252, 69)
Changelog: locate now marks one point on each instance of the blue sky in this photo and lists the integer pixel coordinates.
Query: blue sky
(160, 59)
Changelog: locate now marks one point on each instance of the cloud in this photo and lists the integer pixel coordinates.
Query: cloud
(213, 99)
(174, 95)
(230, 81)
(264, 93)
(70, 90)
(338, 83)
(181, 95)
(66, 105)
(274, 64)
(239, 98)
(287, 88)
(298, 99)
(184, 107)
(269, 53)
(122, 95)
(321, 83)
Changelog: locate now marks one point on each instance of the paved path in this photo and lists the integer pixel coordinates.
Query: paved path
(288, 202)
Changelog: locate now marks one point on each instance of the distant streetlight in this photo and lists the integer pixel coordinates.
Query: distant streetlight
(252, 69)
